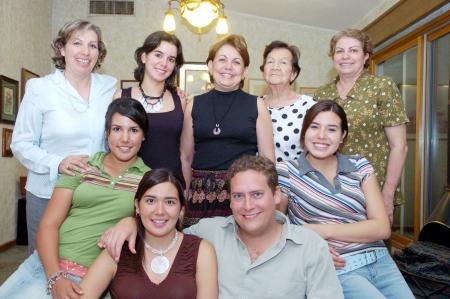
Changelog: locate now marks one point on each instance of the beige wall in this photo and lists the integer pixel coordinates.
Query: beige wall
(25, 30)
(123, 34)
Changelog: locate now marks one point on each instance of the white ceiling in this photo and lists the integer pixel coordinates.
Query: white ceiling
(330, 14)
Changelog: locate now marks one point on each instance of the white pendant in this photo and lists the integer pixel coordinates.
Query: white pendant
(216, 130)
(159, 264)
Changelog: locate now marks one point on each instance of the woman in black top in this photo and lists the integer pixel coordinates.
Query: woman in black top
(219, 127)
(158, 61)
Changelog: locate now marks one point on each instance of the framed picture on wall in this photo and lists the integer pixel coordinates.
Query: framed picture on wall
(309, 91)
(257, 87)
(6, 142)
(193, 78)
(25, 75)
(9, 99)
(128, 83)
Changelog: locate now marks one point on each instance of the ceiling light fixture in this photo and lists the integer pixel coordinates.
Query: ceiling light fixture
(199, 13)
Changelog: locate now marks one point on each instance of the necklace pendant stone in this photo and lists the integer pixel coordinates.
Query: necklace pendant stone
(159, 264)
(216, 130)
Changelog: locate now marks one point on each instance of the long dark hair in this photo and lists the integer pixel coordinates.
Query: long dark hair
(149, 180)
(323, 106)
(151, 43)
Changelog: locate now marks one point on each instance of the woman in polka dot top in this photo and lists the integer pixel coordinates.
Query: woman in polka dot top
(287, 108)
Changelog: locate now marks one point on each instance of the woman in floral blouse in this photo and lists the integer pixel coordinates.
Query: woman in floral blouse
(375, 111)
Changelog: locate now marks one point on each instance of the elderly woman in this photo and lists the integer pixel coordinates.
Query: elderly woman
(286, 107)
(219, 127)
(158, 61)
(60, 121)
(375, 111)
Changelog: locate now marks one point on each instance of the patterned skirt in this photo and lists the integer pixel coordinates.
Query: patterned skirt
(208, 196)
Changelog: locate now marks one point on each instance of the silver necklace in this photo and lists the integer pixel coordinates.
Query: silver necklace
(160, 263)
(216, 131)
(153, 107)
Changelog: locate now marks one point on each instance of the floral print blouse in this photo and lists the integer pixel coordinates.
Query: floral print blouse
(372, 104)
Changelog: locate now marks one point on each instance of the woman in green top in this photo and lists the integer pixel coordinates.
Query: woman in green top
(82, 207)
(376, 115)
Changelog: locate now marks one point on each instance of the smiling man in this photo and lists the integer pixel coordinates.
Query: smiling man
(260, 254)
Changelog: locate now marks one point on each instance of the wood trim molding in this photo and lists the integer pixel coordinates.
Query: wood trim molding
(7, 245)
(419, 148)
(439, 33)
(399, 241)
(399, 17)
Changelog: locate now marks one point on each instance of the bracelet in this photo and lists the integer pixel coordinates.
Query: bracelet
(54, 278)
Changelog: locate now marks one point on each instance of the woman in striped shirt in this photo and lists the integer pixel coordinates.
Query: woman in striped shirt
(338, 197)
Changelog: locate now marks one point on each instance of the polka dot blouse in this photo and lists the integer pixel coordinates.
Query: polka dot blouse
(287, 123)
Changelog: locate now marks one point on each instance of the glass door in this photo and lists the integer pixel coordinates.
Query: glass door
(438, 49)
(402, 68)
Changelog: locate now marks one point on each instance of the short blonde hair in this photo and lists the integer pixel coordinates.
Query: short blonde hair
(359, 35)
(64, 35)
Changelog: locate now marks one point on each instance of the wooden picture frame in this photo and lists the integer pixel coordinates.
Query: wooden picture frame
(309, 91)
(25, 75)
(9, 99)
(257, 87)
(193, 78)
(128, 83)
(6, 142)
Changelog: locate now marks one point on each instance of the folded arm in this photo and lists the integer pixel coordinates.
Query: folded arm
(375, 228)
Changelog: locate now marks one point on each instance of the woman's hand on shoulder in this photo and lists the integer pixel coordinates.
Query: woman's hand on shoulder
(114, 237)
(184, 97)
(77, 163)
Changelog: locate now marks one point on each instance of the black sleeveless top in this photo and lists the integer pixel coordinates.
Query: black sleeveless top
(236, 113)
(161, 147)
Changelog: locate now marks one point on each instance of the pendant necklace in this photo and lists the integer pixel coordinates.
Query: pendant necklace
(216, 131)
(150, 107)
(160, 263)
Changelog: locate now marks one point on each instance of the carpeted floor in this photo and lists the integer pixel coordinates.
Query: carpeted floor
(10, 259)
